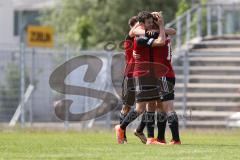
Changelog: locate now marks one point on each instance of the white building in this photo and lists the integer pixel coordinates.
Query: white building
(11, 12)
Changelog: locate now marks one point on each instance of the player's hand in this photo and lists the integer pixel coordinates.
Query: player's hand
(136, 56)
(159, 21)
(136, 25)
(155, 13)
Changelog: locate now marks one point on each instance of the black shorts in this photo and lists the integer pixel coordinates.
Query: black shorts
(166, 86)
(146, 89)
(128, 91)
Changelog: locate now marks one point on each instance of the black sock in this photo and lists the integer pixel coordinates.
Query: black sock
(142, 124)
(161, 124)
(150, 122)
(131, 116)
(173, 125)
(121, 118)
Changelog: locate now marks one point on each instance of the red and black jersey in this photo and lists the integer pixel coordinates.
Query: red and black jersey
(163, 55)
(149, 62)
(142, 59)
(145, 61)
(128, 47)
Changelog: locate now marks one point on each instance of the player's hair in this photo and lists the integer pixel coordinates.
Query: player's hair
(160, 14)
(155, 25)
(143, 15)
(132, 21)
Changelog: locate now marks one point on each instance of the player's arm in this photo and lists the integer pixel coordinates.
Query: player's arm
(170, 31)
(153, 41)
(160, 41)
(137, 31)
(141, 32)
(149, 41)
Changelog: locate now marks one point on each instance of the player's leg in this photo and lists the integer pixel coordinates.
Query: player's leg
(150, 120)
(123, 113)
(128, 99)
(172, 117)
(125, 99)
(140, 95)
(139, 131)
(149, 94)
(172, 121)
(131, 116)
(161, 122)
(150, 123)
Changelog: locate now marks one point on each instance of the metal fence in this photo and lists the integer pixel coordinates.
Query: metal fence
(38, 65)
(204, 21)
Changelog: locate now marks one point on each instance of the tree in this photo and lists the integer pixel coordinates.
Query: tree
(91, 23)
(183, 6)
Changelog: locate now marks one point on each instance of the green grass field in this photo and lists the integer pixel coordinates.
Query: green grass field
(197, 145)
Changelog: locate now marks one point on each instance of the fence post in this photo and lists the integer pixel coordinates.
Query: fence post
(33, 81)
(179, 33)
(219, 20)
(22, 82)
(188, 32)
(185, 82)
(199, 21)
(209, 21)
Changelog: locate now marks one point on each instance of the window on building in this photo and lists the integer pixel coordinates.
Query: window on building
(28, 18)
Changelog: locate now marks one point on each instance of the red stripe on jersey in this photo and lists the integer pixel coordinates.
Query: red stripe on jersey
(141, 61)
(163, 55)
(128, 46)
(144, 65)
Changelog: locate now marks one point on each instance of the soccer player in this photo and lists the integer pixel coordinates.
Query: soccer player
(128, 92)
(167, 83)
(147, 94)
(139, 30)
(165, 108)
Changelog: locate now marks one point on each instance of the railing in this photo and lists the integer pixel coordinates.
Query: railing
(201, 21)
(205, 21)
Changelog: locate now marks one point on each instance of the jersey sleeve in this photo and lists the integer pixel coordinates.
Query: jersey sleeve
(154, 35)
(145, 41)
(127, 37)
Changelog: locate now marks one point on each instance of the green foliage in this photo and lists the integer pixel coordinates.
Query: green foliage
(204, 18)
(91, 23)
(11, 90)
(183, 6)
(80, 31)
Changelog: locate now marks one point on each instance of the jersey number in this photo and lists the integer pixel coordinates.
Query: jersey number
(169, 52)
